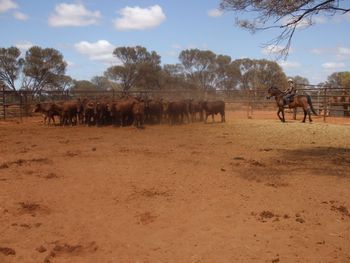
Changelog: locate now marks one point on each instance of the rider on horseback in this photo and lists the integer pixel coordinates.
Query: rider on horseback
(289, 92)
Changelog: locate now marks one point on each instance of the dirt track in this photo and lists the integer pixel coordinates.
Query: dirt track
(244, 191)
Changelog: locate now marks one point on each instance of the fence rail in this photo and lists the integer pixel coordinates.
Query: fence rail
(327, 101)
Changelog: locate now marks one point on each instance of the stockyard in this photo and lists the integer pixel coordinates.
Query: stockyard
(245, 190)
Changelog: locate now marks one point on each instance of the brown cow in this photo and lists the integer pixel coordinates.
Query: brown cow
(122, 110)
(154, 111)
(49, 111)
(178, 109)
(138, 111)
(88, 106)
(196, 107)
(214, 107)
(69, 113)
(102, 113)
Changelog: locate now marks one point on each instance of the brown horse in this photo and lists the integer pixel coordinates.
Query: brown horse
(303, 101)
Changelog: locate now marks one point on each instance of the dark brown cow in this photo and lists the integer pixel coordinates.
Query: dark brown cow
(49, 111)
(89, 111)
(196, 107)
(214, 107)
(102, 114)
(138, 111)
(178, 109)
(154, 111)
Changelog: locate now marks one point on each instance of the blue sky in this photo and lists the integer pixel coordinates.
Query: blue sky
(87, 31)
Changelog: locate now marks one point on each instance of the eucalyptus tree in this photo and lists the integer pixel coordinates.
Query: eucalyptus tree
(42, 68)
(207, 70)
(339, 79)
(138, 68)
(10, 67)
(39, 69)
(259, 74)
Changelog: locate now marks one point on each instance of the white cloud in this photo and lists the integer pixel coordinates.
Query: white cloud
(70, 64)
(173, 53)
(6, 5)
(338, 18)
(73, 15)
(215, 13)
(333, 65)
(289, 64)
(136, 18)
(319, 51)
(20, 16)
(272, 49)
(101, 51)
(347, 16)
(338, 53)
(24, 46)
(319, 20)
(176, 46)
(304, 23)
(343, 51)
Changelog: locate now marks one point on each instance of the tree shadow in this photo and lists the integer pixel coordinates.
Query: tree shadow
(319, 160)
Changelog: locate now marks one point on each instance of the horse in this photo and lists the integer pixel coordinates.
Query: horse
(303, 101)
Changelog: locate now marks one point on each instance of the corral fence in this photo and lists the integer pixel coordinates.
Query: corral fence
(328, 101)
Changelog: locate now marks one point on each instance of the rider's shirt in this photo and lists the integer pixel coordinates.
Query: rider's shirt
(291, 89)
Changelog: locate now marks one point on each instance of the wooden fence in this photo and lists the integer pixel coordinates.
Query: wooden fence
(328, 101)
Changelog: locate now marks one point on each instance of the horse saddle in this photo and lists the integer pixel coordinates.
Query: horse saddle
(288, 99)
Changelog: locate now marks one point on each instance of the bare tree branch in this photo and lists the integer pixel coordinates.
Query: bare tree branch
(283, 14)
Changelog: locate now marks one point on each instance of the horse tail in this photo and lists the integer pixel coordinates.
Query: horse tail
(310, 103)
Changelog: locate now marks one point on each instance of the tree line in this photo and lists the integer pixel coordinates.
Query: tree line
(44, 69)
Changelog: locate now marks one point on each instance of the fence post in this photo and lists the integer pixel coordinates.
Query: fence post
(324, 104)
(249, 115)
(21, 106)
(4, 102)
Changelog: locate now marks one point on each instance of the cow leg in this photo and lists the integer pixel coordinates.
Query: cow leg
(212, 117)
(223, 117)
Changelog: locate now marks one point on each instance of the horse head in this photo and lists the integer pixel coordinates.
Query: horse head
(273, 91)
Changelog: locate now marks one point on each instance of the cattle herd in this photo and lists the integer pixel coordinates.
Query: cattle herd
(128, 111)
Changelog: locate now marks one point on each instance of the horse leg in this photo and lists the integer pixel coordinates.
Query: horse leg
(305, 112)
(278, 114)
(206, 117)
(294, 113)
(309, 113)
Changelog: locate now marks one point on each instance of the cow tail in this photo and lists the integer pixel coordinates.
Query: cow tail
(310, 103)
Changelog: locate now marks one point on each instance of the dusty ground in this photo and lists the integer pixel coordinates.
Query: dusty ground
(243, 191)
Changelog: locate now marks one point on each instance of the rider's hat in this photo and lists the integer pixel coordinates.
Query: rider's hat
(290, 80)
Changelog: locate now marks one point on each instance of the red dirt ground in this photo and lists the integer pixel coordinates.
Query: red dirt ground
(244, 191)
